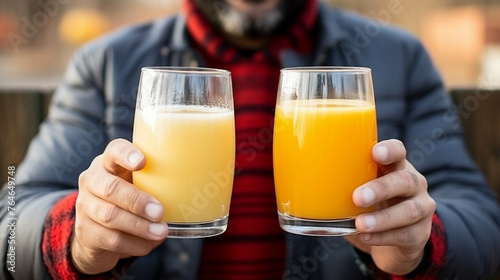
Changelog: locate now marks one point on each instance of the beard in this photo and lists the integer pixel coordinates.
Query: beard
(233, 22)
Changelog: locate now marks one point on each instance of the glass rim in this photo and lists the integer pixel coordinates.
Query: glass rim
(328, 69)
(186, 70)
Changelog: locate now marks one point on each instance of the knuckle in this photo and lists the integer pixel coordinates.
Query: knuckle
(115, 143)
(106, 213)
(79, 227)
(415, 210)
(137, 224)
(78, 202)
(82, 179)
(86, 179)
(95, 164)
(422, 180)
(409, 178)
(90, 175)
(117, 146)
(405, 237)
(384, 217)
(97, 160)
(432, 204)
(384, 189)
(110, 187)
(398, 144)
(135, 201)
(80, 207)
(113, 241)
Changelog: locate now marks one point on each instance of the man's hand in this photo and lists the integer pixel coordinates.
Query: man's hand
(114, 219)
(395, 234)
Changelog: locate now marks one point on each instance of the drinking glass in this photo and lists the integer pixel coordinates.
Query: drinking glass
(184, 125)
(325, 127)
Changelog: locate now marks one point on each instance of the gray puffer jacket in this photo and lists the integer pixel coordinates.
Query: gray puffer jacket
(96, 104)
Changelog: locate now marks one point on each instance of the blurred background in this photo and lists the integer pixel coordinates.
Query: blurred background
(37, 38)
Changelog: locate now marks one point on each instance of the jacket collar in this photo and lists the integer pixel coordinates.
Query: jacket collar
(332, 34)
(178, 50)
(329, 27)
(180, 34)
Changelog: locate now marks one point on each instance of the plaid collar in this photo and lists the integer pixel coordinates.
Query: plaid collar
(298, 36)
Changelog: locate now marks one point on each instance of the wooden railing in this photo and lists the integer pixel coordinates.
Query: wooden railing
(21, 112)
(479, 111)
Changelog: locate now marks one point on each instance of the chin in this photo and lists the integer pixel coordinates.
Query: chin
(250, 18)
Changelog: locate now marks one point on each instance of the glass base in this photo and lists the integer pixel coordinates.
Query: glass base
(311, 227)
(197, 230)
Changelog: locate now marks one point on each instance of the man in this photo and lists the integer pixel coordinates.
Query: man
(435, 217)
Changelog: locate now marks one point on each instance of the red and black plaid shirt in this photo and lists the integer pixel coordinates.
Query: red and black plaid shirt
(253, 246)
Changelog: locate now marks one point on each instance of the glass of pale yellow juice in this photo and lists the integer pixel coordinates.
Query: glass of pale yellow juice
(184, 125)
(325, 127)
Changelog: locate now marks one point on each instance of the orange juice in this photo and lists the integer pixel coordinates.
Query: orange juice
(322, 152)
(190, 153)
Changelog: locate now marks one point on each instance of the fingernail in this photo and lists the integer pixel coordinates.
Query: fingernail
(154, 211)
(366, 237)
(158, 230)
(134, 158)
(382, 152)
(367, 195)
(369, 221)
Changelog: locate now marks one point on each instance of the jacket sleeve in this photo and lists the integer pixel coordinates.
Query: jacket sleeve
(68, 140)
(467, 207)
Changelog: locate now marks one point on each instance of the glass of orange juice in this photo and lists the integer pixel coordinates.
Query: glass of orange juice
(184, 125)
(324, 130)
